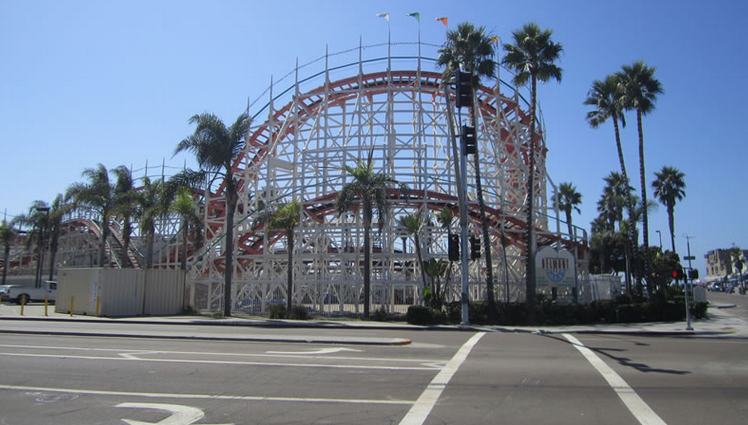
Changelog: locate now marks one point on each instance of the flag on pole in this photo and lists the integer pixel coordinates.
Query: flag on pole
(416, 15)
(385, 15)
(444, 20)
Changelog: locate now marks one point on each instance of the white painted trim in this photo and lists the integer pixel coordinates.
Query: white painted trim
(641, 411)
(422, 407)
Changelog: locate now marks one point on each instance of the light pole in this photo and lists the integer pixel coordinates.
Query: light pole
(660, 235)
(41, 247)
(686, 282)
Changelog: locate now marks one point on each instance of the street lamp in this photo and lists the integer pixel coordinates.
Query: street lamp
(660, 235)
(41, 247)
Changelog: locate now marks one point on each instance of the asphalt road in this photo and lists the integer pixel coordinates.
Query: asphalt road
(442, 377)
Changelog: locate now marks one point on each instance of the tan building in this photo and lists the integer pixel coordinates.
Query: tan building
(719, 263)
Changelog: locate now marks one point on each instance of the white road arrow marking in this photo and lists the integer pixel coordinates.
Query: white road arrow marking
(320, 351)
(180, 415)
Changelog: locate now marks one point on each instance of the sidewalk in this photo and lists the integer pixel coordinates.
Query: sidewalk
(719, 323)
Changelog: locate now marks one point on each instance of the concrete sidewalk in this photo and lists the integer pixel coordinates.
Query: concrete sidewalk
(719, 323)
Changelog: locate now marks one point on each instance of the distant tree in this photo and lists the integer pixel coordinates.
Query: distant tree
(568, 199)
(368, 188)
(125, 208)
(57, 212)
(184, 206)
(98, 195)
(669, 185)
(7, 236)
(413, 224)
(153, 204)
(215, 146)
(532, 57)
(287, 217)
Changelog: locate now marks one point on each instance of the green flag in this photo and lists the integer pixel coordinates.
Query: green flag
(416, 15)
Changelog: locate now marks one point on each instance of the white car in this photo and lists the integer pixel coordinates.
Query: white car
(24, 294)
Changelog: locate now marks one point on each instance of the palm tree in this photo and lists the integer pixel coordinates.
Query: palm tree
(567, 199)
(97, 194)
(57, 211)
(38, 220)
(472, 49)
(152, 205)
(532, 57)
(413, 224)
(368, 189)
(639, 90)
(125, 207)
(215, 146)
(287, 217)
(7, 236)
(180, 189)
(669, 188)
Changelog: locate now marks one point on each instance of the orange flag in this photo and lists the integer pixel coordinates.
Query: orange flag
(444, 20)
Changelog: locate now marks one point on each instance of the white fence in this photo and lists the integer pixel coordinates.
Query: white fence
(120, 292)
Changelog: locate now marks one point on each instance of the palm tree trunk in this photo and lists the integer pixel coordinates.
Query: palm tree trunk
(126, 229)
(367, 257)
(229, 270)
(149, 241)
(104, 236)
(53, 245)
(6, 258)
(645, 215)
(671, 224)
(289, 288)
(568, 223)
(530, 260)
(491, 300)
(185, 235)
(629, 202)
(420, 258)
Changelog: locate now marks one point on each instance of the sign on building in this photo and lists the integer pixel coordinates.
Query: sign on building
(554, 267)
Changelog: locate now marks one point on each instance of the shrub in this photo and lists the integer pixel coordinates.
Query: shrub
(698, 310)
(299, 312)
(420, 315)
(277, 311)
(380, 315)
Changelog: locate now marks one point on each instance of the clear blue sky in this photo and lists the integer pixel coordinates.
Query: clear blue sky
(83, 82)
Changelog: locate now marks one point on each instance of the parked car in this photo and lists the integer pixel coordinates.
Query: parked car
(23, 294)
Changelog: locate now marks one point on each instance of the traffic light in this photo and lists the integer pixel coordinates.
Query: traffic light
(467, 137)
(463, 89)
(677, 273)
(453, 247)
(693, 274)
(474, 248)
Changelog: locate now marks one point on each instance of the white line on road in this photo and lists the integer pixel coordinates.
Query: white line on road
(422, 407)
(641, 411)
(204, 396)
(132, 358)
(206, 353)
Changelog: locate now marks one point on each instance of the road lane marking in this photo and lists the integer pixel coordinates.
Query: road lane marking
(206, 353)
(133, 358)
(641, 411)
(205, 396)
(179, 414)
(320, 351)
(427, 400)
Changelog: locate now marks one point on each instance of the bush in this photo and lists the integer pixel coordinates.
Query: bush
(380, 315)
(277, 311)
(299, 312)
(420, 315)
(698, 310)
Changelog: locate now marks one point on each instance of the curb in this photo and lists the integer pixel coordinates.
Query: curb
(300, 339)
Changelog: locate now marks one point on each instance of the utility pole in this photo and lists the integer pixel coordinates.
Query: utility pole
(686, 281)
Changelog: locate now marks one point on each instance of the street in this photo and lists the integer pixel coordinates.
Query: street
(441, 377)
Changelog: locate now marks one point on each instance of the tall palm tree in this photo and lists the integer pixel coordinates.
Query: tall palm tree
(368, 188)
(472, 49)
(287, 217)
(568, 199)
(639, 90)
(37, 219)
(413, 224)
(669, 188)
(152, 205)
(125, 207)
(532, 57)
(215, 146)
(7, 236)
(57, 212)
(98, 194)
